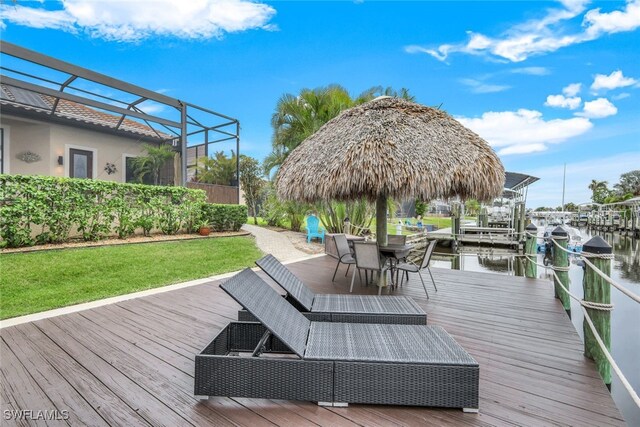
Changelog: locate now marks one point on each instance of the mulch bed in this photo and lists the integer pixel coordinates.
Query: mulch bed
(131, 240)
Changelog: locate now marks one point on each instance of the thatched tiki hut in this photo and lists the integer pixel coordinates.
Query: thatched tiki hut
(390, 147)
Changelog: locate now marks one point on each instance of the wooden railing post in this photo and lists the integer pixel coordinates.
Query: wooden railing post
(597, 290)
(483, 218)
(531, 250)
(561, 265)
(455, 219)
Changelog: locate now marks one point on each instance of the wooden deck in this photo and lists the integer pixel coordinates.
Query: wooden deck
(132, 363)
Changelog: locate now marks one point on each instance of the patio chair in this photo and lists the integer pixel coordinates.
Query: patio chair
(344, 254)
(368, 258)
(411, 267)
(337, 307)
(333, 364)
(314, 230)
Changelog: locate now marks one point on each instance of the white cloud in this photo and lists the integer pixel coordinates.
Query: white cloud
(614, 22)
(132, 21)
(598, 109)
(561, 101)
(572, 90)
(522, 149)
(478, 86)
(620, 96)
(543, 35)
(524, 131)
(37, 18)
(533, 71)
(612, 81)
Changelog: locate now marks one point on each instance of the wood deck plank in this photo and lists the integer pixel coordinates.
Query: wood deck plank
(141, 351)
(22, 391)
(68, 384)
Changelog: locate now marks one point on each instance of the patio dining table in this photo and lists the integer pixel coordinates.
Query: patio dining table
(394, 253)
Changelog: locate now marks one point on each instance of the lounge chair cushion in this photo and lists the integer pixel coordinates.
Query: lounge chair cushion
(365, 304)
(365, 342)
(277, 315)
(287, 280)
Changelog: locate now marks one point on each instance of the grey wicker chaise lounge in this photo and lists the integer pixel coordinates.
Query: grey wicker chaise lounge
(337, 307)
(336, 363)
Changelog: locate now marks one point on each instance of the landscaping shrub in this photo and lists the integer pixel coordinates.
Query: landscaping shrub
(224, 217)
(56, 206)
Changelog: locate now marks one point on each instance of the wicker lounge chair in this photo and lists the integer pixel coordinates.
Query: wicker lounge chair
(336, 363)
(337, 307)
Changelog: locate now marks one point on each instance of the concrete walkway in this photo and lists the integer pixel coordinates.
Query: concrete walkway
(274, 243)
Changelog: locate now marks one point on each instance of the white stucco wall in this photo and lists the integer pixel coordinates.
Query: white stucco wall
(53, 140)
(107, 149)
(27, 136)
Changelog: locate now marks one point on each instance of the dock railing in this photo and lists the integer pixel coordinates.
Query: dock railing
(595, 306)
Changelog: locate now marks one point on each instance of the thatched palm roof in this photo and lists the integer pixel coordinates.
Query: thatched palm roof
(391, 147)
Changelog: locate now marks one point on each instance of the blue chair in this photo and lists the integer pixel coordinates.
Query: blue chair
(314, 230)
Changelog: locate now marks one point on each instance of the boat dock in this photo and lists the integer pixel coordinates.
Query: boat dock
(132, 362)
(501, 237)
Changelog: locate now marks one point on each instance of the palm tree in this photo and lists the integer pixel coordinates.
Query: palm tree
(298, 117)
(217, 169)
(598, 190)
(151, 164)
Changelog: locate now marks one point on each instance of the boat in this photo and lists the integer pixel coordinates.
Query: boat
(575, 238)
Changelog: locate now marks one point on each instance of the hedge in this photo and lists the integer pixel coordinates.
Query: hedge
(224, 217)
(55, 207)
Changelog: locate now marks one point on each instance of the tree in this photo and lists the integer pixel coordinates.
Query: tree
(152, 163)
(599, 191)
(629, 184)
(571, 207)
(420, 207)
(251, 183)
(472, 206)
(299, 116)
(217, 169)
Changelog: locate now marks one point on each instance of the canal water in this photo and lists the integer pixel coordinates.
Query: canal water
(625, 318)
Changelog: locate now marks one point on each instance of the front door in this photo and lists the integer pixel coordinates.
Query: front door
(80, 163)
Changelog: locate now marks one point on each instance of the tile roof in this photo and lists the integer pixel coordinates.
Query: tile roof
(32, 101)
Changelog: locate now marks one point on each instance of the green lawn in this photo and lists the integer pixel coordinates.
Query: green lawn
(38, 281)
(440, 222)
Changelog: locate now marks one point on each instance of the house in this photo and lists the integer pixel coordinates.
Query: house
(74, 141)
(58, 127)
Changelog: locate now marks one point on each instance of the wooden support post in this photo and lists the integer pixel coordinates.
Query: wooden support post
(561, 259)
(381, 219)
(381, 230)
(522, 225)
(456, 261)
(483, 218)
(596, 289)
(455, 219)
(531, 249)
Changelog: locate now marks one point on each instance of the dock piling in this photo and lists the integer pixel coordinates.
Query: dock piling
(561, 267)
(531, 250)
(597, 290)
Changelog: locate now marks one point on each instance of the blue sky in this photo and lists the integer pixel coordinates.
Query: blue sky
(546, 83)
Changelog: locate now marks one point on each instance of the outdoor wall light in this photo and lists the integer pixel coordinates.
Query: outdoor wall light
(60, 160)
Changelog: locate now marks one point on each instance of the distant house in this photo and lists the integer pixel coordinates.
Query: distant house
(68, 121)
